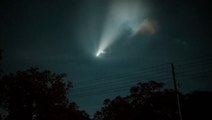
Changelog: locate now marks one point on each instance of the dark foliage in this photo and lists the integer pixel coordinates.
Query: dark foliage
(148, 102)
(197, 106)
(36, 95)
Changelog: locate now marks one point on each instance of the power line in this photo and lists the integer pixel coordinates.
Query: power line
(124, 79)
(108, 87)
(130, 74)
(125, 73)
(118, 82)
(128, 79)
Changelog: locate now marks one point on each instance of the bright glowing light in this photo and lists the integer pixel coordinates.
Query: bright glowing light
(121, 13)
(99, 52)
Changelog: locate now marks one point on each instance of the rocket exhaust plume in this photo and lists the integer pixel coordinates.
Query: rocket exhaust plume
(127, 13)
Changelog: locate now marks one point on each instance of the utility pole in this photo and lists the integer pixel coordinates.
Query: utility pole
(176, 90)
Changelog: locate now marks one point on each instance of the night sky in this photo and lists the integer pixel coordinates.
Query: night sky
(63, 36)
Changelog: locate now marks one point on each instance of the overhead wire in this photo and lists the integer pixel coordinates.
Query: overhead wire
(124, 79)
(111, 86)
(120, 82)
(125, 73)
(121, 79)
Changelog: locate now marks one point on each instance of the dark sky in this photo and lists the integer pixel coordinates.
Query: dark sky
(62, 35)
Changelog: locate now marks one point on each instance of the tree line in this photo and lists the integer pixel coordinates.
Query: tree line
(43, 95)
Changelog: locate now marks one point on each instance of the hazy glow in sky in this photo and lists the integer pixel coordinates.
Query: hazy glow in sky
(122, 14)
(100, 52)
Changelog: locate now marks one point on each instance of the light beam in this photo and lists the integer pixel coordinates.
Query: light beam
(120, 12)
(99, 52)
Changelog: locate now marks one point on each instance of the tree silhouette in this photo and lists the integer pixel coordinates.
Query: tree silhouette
(144, 102)
(198, 106)
(147, 101)
(37, 95)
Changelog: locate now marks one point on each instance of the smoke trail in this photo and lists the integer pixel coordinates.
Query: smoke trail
(120, 12)
(125, 14)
